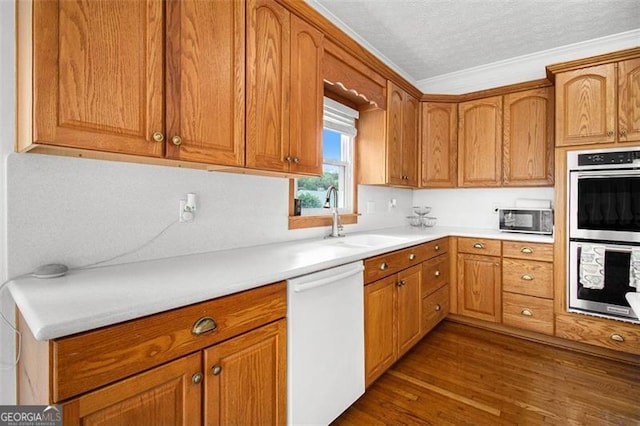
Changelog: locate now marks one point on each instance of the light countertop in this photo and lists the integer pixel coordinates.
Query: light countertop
(85, 299)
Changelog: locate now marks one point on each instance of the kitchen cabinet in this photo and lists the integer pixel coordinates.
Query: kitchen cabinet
(97, 76)
(380, 333)
(479, 279)
(284, 91)
(438, 145)
(598, 104)
(435, 292)
(224, 359)
(387, 141)
(609, 334)
(480, 142)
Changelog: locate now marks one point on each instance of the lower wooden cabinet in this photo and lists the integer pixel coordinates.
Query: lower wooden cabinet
(527, 312)
(435, 307)
(479, 286)
(599, 332)
(409, 305)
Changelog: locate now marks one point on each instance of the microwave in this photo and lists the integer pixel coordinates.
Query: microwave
(526, 220)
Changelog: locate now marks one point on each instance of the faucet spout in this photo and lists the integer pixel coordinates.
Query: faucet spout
(336, 227)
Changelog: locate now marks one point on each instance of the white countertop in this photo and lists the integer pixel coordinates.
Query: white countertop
(85, 299)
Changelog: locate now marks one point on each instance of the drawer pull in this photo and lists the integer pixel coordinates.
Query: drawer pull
(436, 247)
(401, 283)
(526, 250)
(438, 307)
(437, 273)
(527, 277)
(617, 337)
(412, 256)
(216, 370)
(204, 325)
(196, 379)
(526, 313)
(479, 246)
(384, 266)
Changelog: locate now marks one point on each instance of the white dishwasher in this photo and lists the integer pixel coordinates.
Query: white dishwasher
(325, 344)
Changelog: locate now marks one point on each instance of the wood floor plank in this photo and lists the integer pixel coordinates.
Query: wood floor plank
(462, 375)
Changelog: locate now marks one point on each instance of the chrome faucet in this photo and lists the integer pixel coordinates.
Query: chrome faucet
(336, 227)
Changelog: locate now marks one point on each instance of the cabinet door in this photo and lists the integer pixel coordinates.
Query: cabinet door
(395, 124)
(245, 378)
(585, 105)
(305, 146)
(479, 287)
(409, 307)
(166, 395)
(528, 138)
(98, 75)
(480, 142)
(380, 349)
(205, 81)
(268, 42)
(438, 139)
(629, 100)
(410, 140)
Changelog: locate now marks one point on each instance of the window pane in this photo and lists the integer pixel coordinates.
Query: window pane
(332, 145)
(313, 190)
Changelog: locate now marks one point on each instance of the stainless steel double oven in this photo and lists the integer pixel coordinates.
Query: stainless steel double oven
(604, 231)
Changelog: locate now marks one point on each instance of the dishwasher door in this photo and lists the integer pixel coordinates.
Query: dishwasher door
(325, 350)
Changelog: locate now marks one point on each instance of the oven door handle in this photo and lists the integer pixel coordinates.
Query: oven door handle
(608, 247)
(606, 174)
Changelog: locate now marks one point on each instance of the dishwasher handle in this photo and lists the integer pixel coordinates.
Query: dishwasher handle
(320, 282)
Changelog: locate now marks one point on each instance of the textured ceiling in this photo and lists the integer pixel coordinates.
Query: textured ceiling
(427, 38)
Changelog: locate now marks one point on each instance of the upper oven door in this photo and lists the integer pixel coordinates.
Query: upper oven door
(604, 205)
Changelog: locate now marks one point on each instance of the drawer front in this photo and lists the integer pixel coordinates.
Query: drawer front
(435, 248)
(435, 308)
(86, 361)
(435, 274)
(608, 334)
(390, 263)
(531, 251)
(527, 312)
(479, 246)
(527, 277)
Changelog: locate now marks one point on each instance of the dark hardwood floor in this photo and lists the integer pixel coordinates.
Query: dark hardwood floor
(461, 375)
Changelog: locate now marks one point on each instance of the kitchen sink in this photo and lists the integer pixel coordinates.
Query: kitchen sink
(364, 240)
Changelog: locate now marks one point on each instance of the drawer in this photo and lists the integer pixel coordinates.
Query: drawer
(88, 360)
(390, 263)
(435, 248)
(605, 333)
(531, 251)
(435, 274)
(435, 308)
(479, 246)
(527, 277)
(527, 312)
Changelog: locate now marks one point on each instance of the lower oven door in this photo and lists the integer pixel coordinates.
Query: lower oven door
(600, 275)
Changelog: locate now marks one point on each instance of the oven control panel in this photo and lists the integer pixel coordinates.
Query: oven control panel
(604, 158)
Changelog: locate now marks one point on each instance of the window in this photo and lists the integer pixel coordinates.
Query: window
(338, 143)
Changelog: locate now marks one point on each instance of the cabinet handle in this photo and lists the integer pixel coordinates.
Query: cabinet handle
(526, 312)
(438, 307)
(478, 246)
(158, 136)
(176, 140)
(437, 273)
(617, 337)
(436, 247)
(204, 325)
(196, 379)
(216, 370)
(296, 160)
(527, 277)
(412, 256)
(610, 133)
(623, 133)
(384, 266)
(288, 159)
(526, 250)
(401, 283)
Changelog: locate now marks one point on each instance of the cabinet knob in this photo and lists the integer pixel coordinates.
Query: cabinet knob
(158, 136)
(527, 277)
(610, 133)
(412, 256)
(401, 283)
(216, 370)
(526, 250)
(288, 158)
(296, 160)
(438, 307)
(437, 273)
(478, 245)
(436, 247)
(617, 337)
(623, 133)
(526, 313)
(384, 266)
(204, 325)
(196, 379)
(176, 140)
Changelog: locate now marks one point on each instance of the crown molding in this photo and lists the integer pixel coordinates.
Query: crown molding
(524, 68)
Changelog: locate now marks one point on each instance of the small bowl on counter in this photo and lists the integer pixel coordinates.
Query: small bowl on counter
(422, 221)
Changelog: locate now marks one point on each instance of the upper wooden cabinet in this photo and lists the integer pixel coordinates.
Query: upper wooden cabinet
(480, 142)
(98, 76)
(528, 138)
(439, 145)
(284, 91)
(599, 104)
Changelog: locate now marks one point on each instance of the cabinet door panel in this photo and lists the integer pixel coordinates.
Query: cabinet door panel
(268, 42)
(409, 307)
(98, 75)
(629, 100)
(205, 81)
(439, 123)
(395, 105)
(379, 327)
(479, 287)
(480, 142)
(410, 141)
(585, 101)
(528, 138)
(306, 98)
(245, 378)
